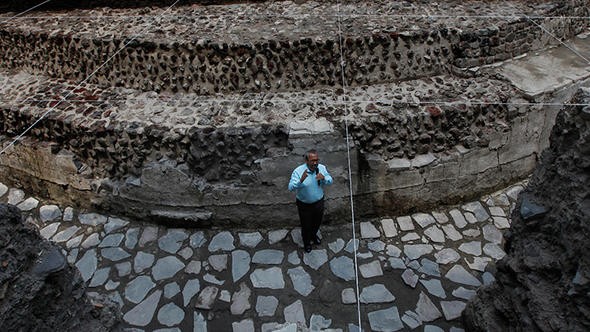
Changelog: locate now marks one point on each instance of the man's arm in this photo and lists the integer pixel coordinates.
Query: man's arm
(296, 181)
(327, 180)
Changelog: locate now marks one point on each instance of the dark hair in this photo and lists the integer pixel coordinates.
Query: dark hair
(312, 151)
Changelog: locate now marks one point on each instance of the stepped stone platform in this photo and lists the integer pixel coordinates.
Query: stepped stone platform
(197, 114)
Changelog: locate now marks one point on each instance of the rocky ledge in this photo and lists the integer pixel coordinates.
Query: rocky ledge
(543, 282)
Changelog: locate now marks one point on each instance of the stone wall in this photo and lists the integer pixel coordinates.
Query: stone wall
(22, 5)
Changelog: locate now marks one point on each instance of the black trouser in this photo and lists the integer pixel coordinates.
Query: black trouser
(310, 216)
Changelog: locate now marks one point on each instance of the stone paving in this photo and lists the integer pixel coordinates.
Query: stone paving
(414, 272)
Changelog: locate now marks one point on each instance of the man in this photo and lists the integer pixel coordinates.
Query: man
(308, 181)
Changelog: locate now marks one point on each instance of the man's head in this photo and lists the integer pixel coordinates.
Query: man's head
(312, 160)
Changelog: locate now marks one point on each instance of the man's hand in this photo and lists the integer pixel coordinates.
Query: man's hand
(320, 176)
(303, 177)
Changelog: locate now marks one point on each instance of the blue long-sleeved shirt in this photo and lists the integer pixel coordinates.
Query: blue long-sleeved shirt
(309, 191)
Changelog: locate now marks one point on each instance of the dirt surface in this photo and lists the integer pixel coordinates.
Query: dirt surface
(543, 282)
(39, 291)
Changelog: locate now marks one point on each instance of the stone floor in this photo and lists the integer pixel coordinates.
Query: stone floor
(415, 272)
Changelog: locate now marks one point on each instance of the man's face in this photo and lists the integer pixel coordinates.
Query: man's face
(312, 161)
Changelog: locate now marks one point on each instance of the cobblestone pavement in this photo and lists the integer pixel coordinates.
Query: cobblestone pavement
(414, 272)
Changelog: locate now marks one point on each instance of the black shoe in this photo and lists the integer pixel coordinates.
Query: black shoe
(317, 240)
(308, 248)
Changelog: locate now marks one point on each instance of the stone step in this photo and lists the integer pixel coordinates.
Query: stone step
(277, 46)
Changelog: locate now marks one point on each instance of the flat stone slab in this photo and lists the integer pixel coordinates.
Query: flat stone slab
(385, 320)
(268, 278)
(167, 267)
(452, 309)
(266, 306)
(294, 313)
(388, 226)
(372, 269)
(170, 314)
(414, 251)
(316, 258)
(377, 293)
(250, 240)
(268, 256)
(369, 231)
(405, 223)
(343, 268)
(424, 219)
(138, 288)
(426, 310)
(240, 264)
(459, 275)
(172, 241)
(301, 280)
(143, 313)
(92, 219)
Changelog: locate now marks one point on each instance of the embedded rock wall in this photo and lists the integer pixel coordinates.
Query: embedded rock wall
(543, 284)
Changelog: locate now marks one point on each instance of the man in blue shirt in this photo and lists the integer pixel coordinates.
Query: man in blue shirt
(308, 181)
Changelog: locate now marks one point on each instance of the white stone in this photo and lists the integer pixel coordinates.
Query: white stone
(66, 234)
(410, 237)
(193, 267)
(266, 306)
(434, 287)
(48, 231)
(451, 232)
(435, 234)
(389, 228)
(477, 209)
(440, 217)
(348, 296)
(493, 250)
(410, 278)
(472, 232)
(207, 297)
(213, 280)
(28, 204)
(319, 323)
(405, 223)
(241, 300)
(470, 218)
(501, 222)
(411, 319)
(3, 189)
(294, 313)
(218, 262)
(276, 236)
(301, 281)
(423, 219)
(393, 251)
(384, 320)
(458, 218)
(316, 258)
(426, 310)
(225, 296)
(294, 258)
(372, 269)
(464, 293)
(514, 191)
(377, 293)
(245, 325)
(199, 322)
(143, 313)
(49, 213)
(446, 256)
(479, 263)
(459, 275)
(414, 251)
(492, 234)
(497, 211)
(422, 160)
(68, 214)
(186, 253)
(452, 309)
(336, 246)
(240, 264)
(398, 164)
(222, 241)
(268, 278)
(296, 236)
(92, 219)
(250, 240)
(471, 248)
(268, 256)
(114, 224)
(369, 231)
(15, 196)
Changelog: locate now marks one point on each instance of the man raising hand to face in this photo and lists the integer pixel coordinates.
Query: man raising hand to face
(308, 180)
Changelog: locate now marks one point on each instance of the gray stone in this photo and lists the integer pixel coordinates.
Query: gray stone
(415, 251)
(100, 277)
(274, 327)
(138, 288)
(218, 262)
(191, 288)
(245, 325)
(318, 323)
(343, 268)
(426, 310)
(405, 223)
(199, 322)
(434, 287)
(172, 241)
(423, 219)
(447, 256)
(422, 160)
(296, 236)
(186, 253)
(240, 264)
(293, 258)
(410, 237)
(435, 234)
(389, 228)
(479, 263)
(432, 328)
(114, 224)
(294, 313)
(277, 236)
(440, 217)
(470, 217)
(241, 300)
(207, 297)
(113, 240)
(268, 256)
(316, 258)
(369, 231)
(336, 246)
(266, 306)
(472, 232)
(123, 269)
(492, 234)
(501, 222)
(114, 254)
(148, 235)
(48, 231)
(15, 196)
(91, 241)
(488, 278)
(92, 219)
(49, 213)
(429, 267)
(377, 293)
(364, 255)
(348, 296)
(111, 285)
(514, 191)
(452, 309)
(73, 256)
(212, 279)
(143, 313)
(393, 251)
(68, 214)
(372, 269)
(197, 239)
(142, 261)
(493, 250)
(396, 164)
(131, 238)
(376, 246)
(351, 246)
(471, 248)
(166, 267)
(385, 320)
(171, 289)
(74, 242)
(225, 296)
(459, 275)
(411, 319)
(464, 293)
(193, 267)
(477, 209)
(250, 240)
(397, 263)
(3, 189)
(451, 232)
(87, 264)
(222, 241)
(301, 280)
(496, 211)
(170, 314)
(458, 218)
(28, 204)
(268, 278)
(410, 278)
